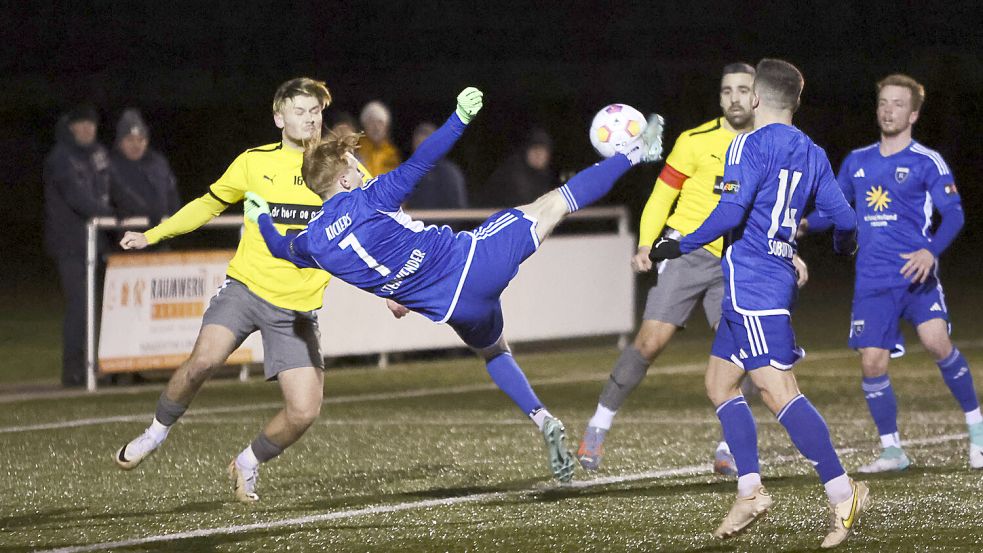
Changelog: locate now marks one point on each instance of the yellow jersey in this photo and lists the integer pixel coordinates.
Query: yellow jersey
(273, 172)
(691, 180)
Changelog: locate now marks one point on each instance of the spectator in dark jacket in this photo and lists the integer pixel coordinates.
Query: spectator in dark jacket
(77, 186)
(525, 175)
(441, 188)
(142, 170)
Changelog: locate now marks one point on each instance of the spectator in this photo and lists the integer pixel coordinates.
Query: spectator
(142, 171)
(76, 187)
(441, 188)
(375, 149)
(525, 175)
(343, 122)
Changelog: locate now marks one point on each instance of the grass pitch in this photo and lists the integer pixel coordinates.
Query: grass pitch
(430, 457)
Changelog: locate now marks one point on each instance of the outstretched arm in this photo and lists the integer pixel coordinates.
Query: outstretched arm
(289, 248)
(391, 189)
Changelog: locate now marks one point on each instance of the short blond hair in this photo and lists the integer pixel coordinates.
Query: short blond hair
(902, 80)
(301, 86)
(326, 159)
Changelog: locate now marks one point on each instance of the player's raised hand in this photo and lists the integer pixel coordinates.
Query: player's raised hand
(640, 262)
(918, 266)
(254, 205)
(133, 241)
(469, 103)
(665, 248)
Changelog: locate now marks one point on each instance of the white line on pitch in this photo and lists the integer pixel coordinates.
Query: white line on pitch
(684, 368)
(691, 470)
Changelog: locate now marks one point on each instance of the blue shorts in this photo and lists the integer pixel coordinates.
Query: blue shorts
(876, 314)
(751, 342)
(501, 244)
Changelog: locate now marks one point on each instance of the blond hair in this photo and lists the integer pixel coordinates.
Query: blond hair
(301, 86)
(326, 159)
(902, 80)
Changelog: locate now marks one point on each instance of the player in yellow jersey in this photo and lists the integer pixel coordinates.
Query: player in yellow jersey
(685, 193)
(261, 292)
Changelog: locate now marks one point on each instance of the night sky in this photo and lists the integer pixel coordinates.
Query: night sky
(204, 75)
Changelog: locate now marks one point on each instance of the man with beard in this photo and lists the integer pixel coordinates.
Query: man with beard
(690, 181)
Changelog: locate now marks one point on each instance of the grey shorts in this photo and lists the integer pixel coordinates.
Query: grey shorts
(291, 339)
(683, 282)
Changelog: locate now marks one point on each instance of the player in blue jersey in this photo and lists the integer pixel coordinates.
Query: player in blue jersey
(894, 186)
(362, 237)
(770, 175)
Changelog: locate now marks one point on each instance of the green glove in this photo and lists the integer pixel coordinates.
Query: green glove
(468, 104)
(254, 205)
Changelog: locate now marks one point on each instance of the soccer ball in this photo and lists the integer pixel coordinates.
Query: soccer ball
(614, 127)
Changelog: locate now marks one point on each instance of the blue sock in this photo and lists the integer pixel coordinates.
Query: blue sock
(510, 379)
(740, 433)
(810, 435)
(591, 184)
(882, 403)
(955, 372)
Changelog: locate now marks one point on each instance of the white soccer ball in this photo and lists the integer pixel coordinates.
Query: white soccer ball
(614, 127)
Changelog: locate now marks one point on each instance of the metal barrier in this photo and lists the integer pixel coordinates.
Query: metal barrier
(617, 214)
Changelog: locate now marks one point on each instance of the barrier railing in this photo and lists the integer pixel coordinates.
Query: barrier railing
(617, 214)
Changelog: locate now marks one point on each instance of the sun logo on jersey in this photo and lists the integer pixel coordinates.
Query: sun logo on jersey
(877, 198)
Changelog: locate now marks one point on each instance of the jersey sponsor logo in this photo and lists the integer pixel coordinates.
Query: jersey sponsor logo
(338, 226)
(857, 327)
(265, 177)
(730, 187)
(901, 173)
(718, 185)
(950, 188)
(859, 174)
(878, 198)
(293, 214)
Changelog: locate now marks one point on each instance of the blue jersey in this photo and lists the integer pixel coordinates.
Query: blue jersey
(772, 174)
(894, 197)
(364, 238)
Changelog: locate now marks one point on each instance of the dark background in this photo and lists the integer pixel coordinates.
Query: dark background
(204, 75)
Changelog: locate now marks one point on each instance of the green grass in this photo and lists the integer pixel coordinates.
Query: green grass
(445, 433)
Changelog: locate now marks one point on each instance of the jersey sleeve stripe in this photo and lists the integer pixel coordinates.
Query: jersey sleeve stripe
(934, 156)
(223, 202)
(673, 177)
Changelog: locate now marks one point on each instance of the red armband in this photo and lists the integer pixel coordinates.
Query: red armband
(672, 177)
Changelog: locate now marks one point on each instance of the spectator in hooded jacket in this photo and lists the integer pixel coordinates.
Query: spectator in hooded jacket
(443, 187)
(525, 175)
(77, 187)
(143, 170)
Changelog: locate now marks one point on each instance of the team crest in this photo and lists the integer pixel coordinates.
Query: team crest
(901, 173)
(858, 328)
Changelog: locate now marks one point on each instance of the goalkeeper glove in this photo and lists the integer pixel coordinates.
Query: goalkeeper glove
(468, 104)
(665, 248)
(254, 206)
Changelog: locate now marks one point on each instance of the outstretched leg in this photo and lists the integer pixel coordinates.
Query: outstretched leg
(583, 189)
(214, 345)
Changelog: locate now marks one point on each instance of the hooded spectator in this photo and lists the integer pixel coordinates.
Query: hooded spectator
(142, 170)
(525, 175)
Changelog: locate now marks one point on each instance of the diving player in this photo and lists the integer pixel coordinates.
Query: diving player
(363, 237)
(771, 174)
(894, 186)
